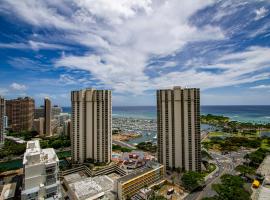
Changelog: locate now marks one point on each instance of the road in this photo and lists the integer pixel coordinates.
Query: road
(123, 144)
(226, 164)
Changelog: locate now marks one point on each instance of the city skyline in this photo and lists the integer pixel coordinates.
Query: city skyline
(51, 48)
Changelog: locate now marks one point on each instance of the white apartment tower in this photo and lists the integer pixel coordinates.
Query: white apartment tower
(178, 128)
(41, 167)
(2, 120)
(91, 125)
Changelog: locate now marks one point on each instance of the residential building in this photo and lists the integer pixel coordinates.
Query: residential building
(56, 110)
(62, 117)
(39, 112)
(91, 125)
(2, 120)
(67, 128)
(5, 122)
(20, 113)
(39, 126)
(129, 185)
(55, 127)
(178, 128)
(41, 167)
(47, 117)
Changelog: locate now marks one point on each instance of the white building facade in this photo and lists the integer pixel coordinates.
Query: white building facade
(41, 167)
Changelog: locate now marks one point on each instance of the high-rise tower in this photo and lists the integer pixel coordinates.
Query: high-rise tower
(178, 130)
(91, 125)
(47, 117)
(20, 113)
(2, 119)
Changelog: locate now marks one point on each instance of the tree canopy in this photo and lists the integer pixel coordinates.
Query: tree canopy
(231, 187)
(192, 180)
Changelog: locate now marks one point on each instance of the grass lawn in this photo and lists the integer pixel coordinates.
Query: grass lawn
(216, 134)
(265, 144)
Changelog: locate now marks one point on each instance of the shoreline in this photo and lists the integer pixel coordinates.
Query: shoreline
(125, 136)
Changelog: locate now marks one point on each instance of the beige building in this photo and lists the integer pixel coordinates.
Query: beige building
(178, 128)
(67, 128)
(20, 113)
(91, 125)
(39, 112)
(2, 119)
(129, 185)
(39, 126)
(47, 117)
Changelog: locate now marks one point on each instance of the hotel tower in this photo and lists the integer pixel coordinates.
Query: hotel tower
(178, 128)
(20, 113)
(47, 117)
(91, 125)
(2, 119)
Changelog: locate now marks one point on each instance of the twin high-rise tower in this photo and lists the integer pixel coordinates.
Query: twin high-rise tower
(91, 125)
(178, 127)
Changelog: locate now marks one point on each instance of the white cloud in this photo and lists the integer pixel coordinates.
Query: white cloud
(260, 13)
(3, 91)
(41, 45)
(67, 79)
(32, 45)
(18, 87)
(260, 87)
(127, 34)
(115, 10)
(236, 68)
(133, 32)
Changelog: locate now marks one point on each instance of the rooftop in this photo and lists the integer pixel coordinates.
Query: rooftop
(72, 178)
(264, 168)
(148, 167)
(8, 191)
(92, 187)
(34, 154)
(264, 193)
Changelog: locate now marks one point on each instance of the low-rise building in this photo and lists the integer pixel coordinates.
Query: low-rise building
(97, 187)
(263, 192)
(264, 168)
(41, 167)
(129, 185)
(8, 191)
(112, 182)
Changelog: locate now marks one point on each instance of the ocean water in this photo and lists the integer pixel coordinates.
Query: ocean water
(254, 114)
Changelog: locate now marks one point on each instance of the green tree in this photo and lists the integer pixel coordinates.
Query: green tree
(192, 180)
(231, 187)
(243, 169)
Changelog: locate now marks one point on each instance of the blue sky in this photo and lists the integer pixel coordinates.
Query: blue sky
(48, 48)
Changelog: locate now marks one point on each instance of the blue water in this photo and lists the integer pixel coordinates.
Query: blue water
(255, 114)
